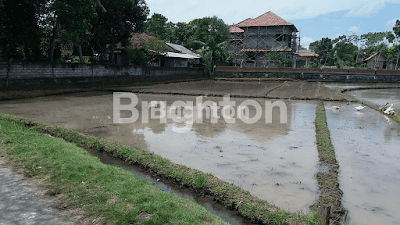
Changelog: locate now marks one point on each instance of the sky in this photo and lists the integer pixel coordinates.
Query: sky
(315, 19)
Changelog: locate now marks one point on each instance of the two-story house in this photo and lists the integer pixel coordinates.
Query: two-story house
(252, 39)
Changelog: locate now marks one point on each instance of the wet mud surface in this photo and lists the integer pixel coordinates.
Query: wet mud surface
(209, 87)
(275, 162)
(299, 90)
(367, 144)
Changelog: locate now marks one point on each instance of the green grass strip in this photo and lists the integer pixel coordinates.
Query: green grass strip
(104, 191)
(324, 144)
(395, 118)
(328, 182)
(250, 207)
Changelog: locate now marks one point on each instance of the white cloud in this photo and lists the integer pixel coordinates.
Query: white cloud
(354, 29)
(392, 22)
(366, 10)
(306, 41)
(234, 11)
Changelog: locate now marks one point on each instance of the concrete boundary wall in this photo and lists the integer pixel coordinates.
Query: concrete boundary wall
(343, 75)
(20, 74)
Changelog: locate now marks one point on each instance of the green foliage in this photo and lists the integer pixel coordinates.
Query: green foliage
(314, 63)
(207, 58)
(209, 30)
(158, 26)
(75, 17)
(138, 57)
(155, 45)
(116, 24)
(282, 59)
(222, 53)
(19, 30)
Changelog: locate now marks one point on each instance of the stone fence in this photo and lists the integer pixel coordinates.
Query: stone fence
(23, 74)
(342, 75)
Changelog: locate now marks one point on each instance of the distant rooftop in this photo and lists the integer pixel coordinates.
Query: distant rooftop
(181, 49)
(267, 19)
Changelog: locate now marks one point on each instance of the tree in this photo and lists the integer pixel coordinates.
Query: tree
(75, 17)
(324, 48)
(345, 52)
(156, 25)
(181, 33)
(117, 23)
(154, 47)
(19, 30)
(394, 51)
(282, 59)
(209, 30)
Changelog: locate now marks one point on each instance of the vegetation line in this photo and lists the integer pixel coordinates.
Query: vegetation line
(328, 180)
(238, 95)
(71, 171)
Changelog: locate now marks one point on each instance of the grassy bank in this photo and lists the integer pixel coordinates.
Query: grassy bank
(102, 191)
(116, 195)
(328, 181)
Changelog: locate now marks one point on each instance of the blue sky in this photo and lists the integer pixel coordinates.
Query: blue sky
(316, 19)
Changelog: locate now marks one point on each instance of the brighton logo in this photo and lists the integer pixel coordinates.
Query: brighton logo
(190, 112)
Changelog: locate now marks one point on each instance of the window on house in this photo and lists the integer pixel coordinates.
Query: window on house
(279, 37)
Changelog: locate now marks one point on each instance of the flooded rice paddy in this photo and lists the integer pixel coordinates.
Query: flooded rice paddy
(367, 148)
(275, 161)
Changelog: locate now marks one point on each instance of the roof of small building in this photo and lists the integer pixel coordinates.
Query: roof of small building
(180, 48)
(308, 54)
(374, 54)
(234, 29)
(265, 20)
(180, 55)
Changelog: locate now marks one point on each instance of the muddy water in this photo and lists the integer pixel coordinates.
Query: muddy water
(275, 162)
(367, 149)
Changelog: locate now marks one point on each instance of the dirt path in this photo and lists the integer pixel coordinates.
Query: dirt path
(23, 202)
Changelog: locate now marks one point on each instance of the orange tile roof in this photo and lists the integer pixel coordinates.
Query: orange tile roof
(234, 29)
(308, 54)
(265, 20)
(375, 53)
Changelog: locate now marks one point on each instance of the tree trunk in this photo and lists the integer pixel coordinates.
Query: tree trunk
(376, 60)
(112, 58)
(80, 54)
(56, 29)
